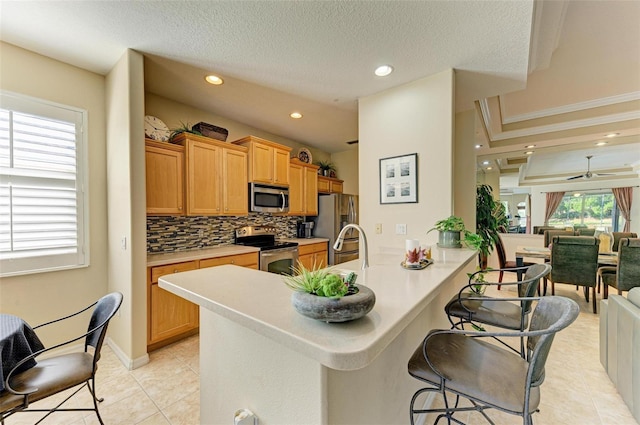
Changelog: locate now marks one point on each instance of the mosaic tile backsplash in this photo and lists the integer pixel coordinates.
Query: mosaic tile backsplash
(170, 234)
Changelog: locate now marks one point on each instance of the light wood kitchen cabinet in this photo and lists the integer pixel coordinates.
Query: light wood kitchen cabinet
(249, 260)
(268, 161)
(329, 185)
(169, 317)
(164, 178)
(314, 254)
(216, 175)
(303, 188)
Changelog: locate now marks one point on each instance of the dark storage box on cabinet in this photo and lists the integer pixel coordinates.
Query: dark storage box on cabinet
(210, 130)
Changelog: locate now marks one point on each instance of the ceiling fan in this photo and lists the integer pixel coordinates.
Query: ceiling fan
(589, 174)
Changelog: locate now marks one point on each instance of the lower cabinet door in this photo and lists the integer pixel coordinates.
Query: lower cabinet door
(170, 315)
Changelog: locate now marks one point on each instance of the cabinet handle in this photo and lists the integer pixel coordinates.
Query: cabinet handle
(233, 262)
(179, 208)
(175, 270)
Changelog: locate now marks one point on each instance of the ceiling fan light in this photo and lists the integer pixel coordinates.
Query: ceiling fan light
(610, 135)
(601, 143)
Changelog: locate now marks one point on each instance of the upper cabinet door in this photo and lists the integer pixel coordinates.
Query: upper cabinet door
(235, 188)
(281, 167)
(165, 181)
(204, 163)
(311, 191)
(262, 163)
(296, 189)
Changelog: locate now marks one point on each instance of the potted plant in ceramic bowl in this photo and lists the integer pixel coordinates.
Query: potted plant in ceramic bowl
(183, 128)
(328, 295)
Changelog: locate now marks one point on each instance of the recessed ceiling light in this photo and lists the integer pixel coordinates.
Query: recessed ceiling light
(528, 153)
(489, 168)
(601, 143)
(485, 162)
(612, 135)
(383, 70)
(530, 146)
(576, 194)
(214, 79)
(296, 115)
(478, 146)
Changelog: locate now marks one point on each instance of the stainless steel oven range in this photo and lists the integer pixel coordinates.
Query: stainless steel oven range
(275, 257)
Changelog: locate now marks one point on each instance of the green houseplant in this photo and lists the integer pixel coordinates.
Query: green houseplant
(330, 296)
(449, 230)
(489, 218)
(325, 167)
(183, 128)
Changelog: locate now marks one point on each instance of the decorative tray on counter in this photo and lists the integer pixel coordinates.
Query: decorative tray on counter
(423, 264)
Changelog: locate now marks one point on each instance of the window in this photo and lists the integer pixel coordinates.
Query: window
(42, 204)
(593, 210)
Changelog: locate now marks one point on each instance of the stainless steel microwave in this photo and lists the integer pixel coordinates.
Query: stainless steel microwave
(265, 198)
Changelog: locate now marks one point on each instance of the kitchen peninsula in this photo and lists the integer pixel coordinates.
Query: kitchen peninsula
(257, 352)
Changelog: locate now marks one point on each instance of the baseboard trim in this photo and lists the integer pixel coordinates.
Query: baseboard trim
(129, 363)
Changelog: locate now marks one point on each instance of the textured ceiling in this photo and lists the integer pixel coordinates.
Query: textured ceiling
(555, 73)
(298, 55)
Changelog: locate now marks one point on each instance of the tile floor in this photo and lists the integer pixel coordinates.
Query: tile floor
(577, 390)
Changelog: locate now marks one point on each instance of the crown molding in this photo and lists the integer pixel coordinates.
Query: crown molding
(574, 107)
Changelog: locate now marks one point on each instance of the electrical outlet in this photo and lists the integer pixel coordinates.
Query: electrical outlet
(401, 229)
(378, 228)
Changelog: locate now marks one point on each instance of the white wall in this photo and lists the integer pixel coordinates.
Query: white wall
(415, 117)
(538, 198)
(127, 205)
(45, 296)
(464, 197)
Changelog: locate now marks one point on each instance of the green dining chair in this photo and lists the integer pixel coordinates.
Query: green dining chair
(619, 235)
(626, 274)
(574, 260)
(549, 234)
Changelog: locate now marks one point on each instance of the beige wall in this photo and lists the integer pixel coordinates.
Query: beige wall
(127, 205)
(45, 296)
(174, 113)
(415, 117)
(346, 163)
(464, 197)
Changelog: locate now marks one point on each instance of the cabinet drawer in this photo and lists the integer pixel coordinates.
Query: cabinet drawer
(244, 260)
(336, 187)
(159, 271)
(312, 248)
(323, 185)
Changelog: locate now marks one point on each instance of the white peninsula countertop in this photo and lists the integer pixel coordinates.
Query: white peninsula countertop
(262, 302)
(288, 368)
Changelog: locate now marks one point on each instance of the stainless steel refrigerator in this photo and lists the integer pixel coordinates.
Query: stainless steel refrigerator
(334, 212)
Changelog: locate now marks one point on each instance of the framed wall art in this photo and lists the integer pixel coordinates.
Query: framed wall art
(399, 179)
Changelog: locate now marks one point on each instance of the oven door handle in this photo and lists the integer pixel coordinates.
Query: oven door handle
(274, 252)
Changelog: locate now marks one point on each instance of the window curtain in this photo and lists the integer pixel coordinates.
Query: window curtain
(624, 197)
(553, 201)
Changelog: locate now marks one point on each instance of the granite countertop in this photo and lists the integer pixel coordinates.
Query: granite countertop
(260, 301)
(161, 259)
(306, 241)
(197, 254)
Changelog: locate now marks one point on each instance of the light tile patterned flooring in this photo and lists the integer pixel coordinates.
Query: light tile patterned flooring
(577, 390)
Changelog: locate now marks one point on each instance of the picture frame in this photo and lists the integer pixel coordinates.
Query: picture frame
(399, 179)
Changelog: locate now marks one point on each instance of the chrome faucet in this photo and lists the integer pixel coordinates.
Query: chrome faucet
(338, 245)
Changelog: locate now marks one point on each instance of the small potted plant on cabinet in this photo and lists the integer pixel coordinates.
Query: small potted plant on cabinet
(326, 167)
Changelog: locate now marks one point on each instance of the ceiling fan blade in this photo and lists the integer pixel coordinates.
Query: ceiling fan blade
(576, 177)
(605, 174)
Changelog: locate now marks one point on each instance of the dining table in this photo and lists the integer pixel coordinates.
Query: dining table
(522, 252)
(17, 342)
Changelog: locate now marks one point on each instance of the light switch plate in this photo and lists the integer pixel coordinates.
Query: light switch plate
(401, 229)
(378, 228)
